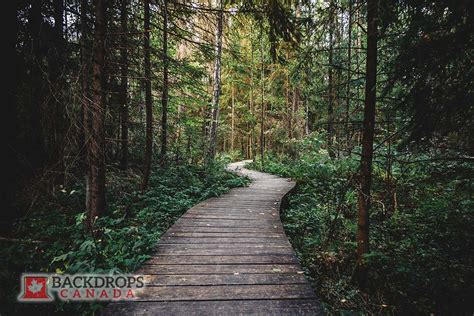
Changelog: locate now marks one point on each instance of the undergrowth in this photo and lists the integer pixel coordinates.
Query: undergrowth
(54, 238)
(421, 242)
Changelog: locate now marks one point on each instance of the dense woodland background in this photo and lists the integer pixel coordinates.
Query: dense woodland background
(122, 114)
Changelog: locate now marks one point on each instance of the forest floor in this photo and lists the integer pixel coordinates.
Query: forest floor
(52, 236)
(227, 255)
(418, 261)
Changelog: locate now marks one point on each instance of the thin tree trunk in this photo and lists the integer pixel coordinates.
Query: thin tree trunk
(309, 120)
(164, 97)
(148, 98)
(217, 84)
(289, 105)
(84, 77)
(331, 82)
(124, 85)
(349, 77)
(358, 70)
(306, 122)
(367, 144)
(294, 109)
(262, 108)
(233, 120)
(96, 139)
(252, 106)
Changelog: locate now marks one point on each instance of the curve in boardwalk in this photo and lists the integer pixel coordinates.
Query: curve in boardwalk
(227, 255)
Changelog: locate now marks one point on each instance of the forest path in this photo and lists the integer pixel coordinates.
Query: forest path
(227, 255)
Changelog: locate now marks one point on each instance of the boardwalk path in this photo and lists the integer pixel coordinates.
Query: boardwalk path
(227, 255)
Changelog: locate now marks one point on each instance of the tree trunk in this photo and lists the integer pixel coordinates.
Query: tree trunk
(232, 120)
(164, 97)
(217, 84)
(84, 133)
(252, 107)
(262, 107)
(289, 104)
(124, 85)
(349, 77)
(96, 109)
(148, 97)
(331, 82)
(367, 144)
(294, 110)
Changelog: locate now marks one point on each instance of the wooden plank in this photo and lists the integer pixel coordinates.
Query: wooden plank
(219, 269)
(251, 217)
(233, 214)
(223, 246)
(223, 279)
(232, 210)
(223, 234)
(221, 240)
(236, 207)
(222, 307)
(169, 251)
(225, 292)
(229, 259)
(227, 223)
(208, 229)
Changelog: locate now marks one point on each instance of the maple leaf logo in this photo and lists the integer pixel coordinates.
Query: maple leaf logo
(35, 287)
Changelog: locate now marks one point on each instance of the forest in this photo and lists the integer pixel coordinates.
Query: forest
(123, 114)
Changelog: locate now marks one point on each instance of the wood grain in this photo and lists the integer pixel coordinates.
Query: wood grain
(228, 255)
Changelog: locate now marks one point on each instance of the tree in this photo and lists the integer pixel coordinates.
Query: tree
(349, 78)
(124, 84)
(85, 70)
(148, 97)
(262, 105)
(95, 200)
(217, 83)
(164, 97)
(330, 124)
(434, 69)
(367, 143)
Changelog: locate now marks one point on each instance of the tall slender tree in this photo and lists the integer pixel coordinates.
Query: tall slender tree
(124, 83)
(262, 106)
(217, 82)
(232, 125)
(252, 105)
(164, 97)
(331, 98)
(349, 77)
(148, 96)
(96, 111)
(367, 143)
(85, 67)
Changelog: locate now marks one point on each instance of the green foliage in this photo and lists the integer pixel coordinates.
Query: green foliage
(421, 222)
(57, 239)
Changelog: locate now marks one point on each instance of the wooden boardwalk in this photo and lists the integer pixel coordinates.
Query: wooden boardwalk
(226, 256)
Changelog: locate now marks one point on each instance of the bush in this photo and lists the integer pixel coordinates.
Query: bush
(55, 238)
(420, 234)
